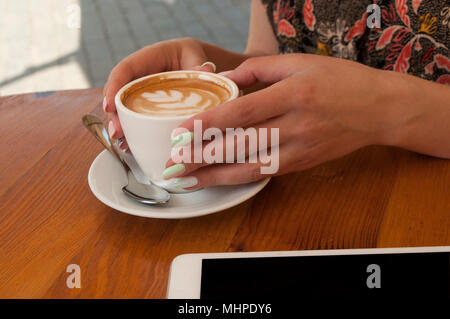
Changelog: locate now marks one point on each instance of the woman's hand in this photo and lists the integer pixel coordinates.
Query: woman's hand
(323, 107)
(178, 54)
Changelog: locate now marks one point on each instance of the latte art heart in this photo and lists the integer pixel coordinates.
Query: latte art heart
(175, 100)
(175, 97)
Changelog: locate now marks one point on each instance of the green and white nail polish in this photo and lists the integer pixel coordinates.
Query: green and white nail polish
(185, 182)
(173, 170)
(179, 184)
(183, 139)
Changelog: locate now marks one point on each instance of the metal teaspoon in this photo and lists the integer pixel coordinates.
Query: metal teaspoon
(144, 193)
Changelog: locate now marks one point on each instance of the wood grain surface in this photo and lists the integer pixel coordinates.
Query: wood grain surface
(375, 197)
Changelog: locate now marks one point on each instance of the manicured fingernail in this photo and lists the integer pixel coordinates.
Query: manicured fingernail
(173, 170)
(111, 129)
(104, 104)
(178, 131)
(185, 182)
(119, 142)
(183, 139)
(124, 146)
(210, 64)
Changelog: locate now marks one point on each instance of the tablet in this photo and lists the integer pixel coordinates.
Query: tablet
(353, 273)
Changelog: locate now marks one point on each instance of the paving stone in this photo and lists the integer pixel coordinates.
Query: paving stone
(39, 51)
(112, 18)
(195, 30)
(122, 46)
(100, 59)
(91, 26)
(146, 37)
(158, 11)
(164, 24)
(171, 34)
(183, 16)
(88, 5)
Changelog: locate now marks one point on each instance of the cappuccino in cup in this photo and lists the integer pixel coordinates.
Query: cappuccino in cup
(150, 108)
(175, 97)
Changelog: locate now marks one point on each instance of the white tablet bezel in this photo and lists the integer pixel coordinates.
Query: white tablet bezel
(186, 270)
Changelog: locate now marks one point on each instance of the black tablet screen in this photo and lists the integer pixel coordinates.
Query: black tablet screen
(413, 275)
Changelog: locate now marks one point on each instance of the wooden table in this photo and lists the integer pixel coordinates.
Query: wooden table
(376, 197)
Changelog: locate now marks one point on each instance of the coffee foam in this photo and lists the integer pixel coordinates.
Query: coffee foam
(174, 96)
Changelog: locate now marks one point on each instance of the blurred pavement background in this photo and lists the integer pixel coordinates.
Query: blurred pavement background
(48, 45)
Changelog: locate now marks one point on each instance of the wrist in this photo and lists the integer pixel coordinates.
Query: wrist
(424, 127)
(399, 106)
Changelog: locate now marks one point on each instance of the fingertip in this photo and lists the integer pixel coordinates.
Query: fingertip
(241, 77)
(122, 143)
(193, 188)
(203, 68)
(207, 68)
(196, 68)
(117, 126)
(111, 130)
(110, 105)
(178, 131)
(226, 73)
(210, 66)
(170, 163)
(105, 105)
(110, 95)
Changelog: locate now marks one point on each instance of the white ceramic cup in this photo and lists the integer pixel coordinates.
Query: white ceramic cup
(149, 137)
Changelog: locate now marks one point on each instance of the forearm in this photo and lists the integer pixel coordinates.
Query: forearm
(425, 125)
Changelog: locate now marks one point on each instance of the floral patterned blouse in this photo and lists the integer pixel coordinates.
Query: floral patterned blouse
(413, 37)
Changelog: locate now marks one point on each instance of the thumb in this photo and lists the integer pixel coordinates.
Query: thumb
(268, 69)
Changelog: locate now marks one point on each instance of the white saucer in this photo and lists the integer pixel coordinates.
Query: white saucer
(106, 179)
